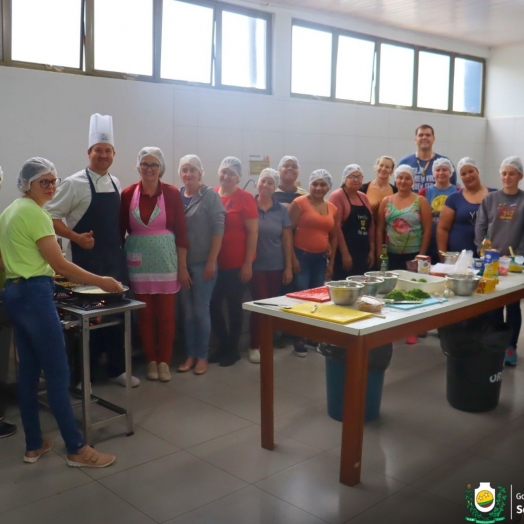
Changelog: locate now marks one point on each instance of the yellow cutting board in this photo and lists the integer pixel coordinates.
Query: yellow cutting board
(331, 313)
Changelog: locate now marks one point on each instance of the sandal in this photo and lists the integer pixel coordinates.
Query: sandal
(47, 445)
(187, 365)
(89, 457)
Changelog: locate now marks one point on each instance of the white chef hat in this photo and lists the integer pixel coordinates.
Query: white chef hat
(321, 174)
(270, 173)
(443, 162)
(404, 168)
(152, 151)
(513, 161)
(33, 169)
(232, 163)
(285, 159)
(192, 160)
(349, 169)
(466, 161)
(101, 130)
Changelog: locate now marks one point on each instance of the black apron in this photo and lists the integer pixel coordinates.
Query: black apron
(103, 218)
(356, 234)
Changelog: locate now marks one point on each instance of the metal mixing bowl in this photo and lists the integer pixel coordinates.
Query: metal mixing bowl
(463, 285)
(371, 284)
(344, 293)
(390, 280)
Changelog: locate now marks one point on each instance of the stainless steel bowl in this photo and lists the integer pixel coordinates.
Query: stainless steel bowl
(344, 293)
(371, 284)
(450, 257)
(463, 285)
(390, 280)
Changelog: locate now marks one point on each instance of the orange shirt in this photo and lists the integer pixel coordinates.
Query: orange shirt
(312, 231)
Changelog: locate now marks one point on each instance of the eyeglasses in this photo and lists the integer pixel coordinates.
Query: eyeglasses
(355, 177)
(153, 167)
(46, 182)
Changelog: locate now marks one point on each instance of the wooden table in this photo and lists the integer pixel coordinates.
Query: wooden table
(358, 338)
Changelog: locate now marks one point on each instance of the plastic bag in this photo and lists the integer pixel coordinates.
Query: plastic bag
(463, 263)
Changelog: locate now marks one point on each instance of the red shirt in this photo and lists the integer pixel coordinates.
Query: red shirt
(240, 206)
(175, 217)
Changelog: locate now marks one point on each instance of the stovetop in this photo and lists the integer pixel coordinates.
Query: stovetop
(67, 299)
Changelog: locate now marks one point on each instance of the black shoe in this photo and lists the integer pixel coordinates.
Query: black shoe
(215, 357)
(6, 429)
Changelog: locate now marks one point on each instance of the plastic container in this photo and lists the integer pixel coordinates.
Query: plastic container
(504, 264)
(433, 284)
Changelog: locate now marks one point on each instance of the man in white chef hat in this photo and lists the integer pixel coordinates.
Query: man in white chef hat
(89, 202)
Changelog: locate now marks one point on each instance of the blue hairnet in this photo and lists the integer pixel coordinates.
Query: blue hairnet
(232, 163)
(271, 173)
(321, 174)
(33, 169)
(152, 151)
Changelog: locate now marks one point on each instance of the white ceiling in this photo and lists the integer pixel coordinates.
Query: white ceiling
(488, 23)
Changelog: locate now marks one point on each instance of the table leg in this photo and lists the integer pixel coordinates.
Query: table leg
(266, 382)
(128, 364)
(354, 408)
(86, 383)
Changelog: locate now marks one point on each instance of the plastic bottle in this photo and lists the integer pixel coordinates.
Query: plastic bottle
(384, 259)
(485, 246)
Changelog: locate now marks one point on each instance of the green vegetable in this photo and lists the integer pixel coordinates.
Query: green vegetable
(422, 280)
(396, 295)
(413, 280)
(416, 294)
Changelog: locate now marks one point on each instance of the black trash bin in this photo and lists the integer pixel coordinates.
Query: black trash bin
(475, 352)
(379, 360)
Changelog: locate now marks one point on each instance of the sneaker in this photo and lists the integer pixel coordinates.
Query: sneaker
(152, 371)
(88, 457)
(254, 356)
(201, 366)
(6, 429)
(164, 374)
(412, 339)
(300, 351)
(31, 457)
(121, 381)
(511, 357)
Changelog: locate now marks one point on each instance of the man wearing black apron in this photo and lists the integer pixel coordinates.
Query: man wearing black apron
(89, 201)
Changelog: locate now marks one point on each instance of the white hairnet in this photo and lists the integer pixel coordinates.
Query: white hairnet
(33, 169)
(321, 174)
(285, 159)
(152, 151)
(443, 162)
(348, 170)
(513, 161)
(232, 163)
(270, 173)
(404, 168)
(192, 160)
(466, 161)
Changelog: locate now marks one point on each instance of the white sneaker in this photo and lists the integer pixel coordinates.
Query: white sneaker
(152, 371)
(164, 375)
(121, 381)
(254, 356)
(78, 387)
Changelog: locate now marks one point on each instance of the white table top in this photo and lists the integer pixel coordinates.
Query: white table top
(394, 317)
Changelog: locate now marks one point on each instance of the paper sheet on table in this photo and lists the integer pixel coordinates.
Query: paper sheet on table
(447, 269)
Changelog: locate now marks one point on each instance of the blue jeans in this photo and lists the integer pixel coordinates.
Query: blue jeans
(195, 311)
(312, 270)
(40, 344)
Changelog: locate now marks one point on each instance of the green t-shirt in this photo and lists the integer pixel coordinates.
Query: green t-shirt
(21, 225)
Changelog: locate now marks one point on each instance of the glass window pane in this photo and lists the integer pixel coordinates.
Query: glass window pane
(243, 50)
(311, 61)
(355, 63)
(47, 32)
(433, 80)
(124, 36)
(396, 75)
(467, 86)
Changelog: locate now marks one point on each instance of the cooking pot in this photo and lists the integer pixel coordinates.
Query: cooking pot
(93, 293)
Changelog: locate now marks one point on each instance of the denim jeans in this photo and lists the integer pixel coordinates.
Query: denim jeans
(312, 270)
(195, 311)
(40, 344)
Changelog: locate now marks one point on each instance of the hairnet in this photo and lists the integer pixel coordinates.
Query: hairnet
(232, 163)
(152, 151)
(33, 169)
(271, 173)
(285, 159)
(513, 161)
(319, 174)
(192, 160)
(348, 170)
(404, 168)
(466, 161)
(443, 162)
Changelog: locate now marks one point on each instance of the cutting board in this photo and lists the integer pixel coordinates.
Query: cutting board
(317, 294)
(427, 302)
(331, 313)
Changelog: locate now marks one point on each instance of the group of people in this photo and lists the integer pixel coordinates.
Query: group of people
(207, 244)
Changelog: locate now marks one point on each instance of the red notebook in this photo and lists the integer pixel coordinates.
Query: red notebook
(317, 294)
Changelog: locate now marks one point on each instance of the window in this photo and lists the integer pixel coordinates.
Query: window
(433, 80)
(311, 61)
(47, 32)
(396, 75)
(123, 36)
(185, 57)
(467, 86)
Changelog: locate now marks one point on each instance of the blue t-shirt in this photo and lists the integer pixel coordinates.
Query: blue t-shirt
(270, 254)
(462, 232)
(423, 166)
(437, 198)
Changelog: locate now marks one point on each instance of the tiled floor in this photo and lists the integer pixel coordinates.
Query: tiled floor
(196, 458)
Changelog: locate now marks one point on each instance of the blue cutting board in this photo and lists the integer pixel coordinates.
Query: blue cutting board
(427, 302)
